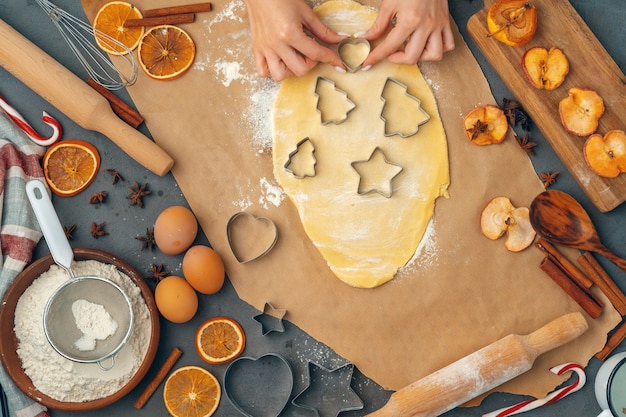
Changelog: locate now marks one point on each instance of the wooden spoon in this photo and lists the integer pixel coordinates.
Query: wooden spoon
(559, 218)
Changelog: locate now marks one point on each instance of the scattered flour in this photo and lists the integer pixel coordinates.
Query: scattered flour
(272, 194)
(94, 321)
(60, 378)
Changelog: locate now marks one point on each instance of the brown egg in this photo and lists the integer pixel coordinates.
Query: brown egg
(175, 230)
(176, 299)
(203, 268)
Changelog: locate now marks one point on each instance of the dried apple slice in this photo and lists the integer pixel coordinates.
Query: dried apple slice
(486, 125)
(581, 110)
(512, 22)
(500, 217)
(606, 155)
(545, 69)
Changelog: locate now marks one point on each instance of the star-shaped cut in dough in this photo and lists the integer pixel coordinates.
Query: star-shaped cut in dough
(376, 174)
(328, 391)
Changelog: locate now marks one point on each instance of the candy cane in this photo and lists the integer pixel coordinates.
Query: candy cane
(32, 134)
(550, 398)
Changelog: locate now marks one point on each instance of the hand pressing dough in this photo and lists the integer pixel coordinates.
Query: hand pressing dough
(364, 237)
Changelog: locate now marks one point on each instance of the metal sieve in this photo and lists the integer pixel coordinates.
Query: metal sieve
(59, 323)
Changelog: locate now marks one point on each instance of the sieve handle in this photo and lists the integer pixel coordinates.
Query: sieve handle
(49, 223)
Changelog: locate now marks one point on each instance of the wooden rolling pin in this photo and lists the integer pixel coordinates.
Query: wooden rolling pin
(73, 97)
(481, 371)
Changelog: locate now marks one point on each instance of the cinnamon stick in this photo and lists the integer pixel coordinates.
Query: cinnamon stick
(614, 341)
(187, 8)
(565, 264)
(602, 279)
(159, 377)
(173, 19)
(585, 299)
(123, 110)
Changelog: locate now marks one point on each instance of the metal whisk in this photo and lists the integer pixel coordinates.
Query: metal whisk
(80, 36)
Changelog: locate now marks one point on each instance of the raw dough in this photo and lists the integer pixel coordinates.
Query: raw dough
(364, 237)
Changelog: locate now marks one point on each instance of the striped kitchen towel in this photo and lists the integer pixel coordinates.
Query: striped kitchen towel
(19, 232)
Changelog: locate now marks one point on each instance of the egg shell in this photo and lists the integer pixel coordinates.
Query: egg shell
(176, 299)
(175, 229)
(203, 268)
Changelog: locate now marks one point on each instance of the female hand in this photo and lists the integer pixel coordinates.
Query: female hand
(421, 32)
(281, 46)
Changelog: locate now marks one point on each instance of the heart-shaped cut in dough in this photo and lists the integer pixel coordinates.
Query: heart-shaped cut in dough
(353, 52)
(250, 237)
(259, 387)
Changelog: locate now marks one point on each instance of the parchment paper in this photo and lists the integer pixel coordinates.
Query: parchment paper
(460, 293)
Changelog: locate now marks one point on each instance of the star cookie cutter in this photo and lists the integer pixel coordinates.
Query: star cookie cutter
(306, 168)
(329, 391)
(271, 319)
(250, 237)
(360, 47)
(259, 387)
(363, 189)
(350, 105)
(424, 119)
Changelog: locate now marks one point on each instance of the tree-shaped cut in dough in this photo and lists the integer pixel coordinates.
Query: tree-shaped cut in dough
(376, 174)
(402, 112)
(301, 162)
(333, 104)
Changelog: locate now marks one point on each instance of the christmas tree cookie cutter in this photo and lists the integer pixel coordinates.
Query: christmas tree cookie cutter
(301, 162)
(419, 115)
(326, 104)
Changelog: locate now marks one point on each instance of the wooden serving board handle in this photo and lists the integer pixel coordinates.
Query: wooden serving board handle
(481, 371)
(559, 25)
(72, 96)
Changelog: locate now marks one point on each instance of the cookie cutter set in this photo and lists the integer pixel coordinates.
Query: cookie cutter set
(386, 189)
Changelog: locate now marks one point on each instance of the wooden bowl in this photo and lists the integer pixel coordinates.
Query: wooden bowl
(9, 342)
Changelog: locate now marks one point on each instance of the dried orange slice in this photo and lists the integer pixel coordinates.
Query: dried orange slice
(166, 52)
(191, 391)
(219, 340)
(69, 166)
(110, 21)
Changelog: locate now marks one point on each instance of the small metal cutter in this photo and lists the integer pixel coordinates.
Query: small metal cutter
(387, 193)
(292, 155)
(353, 42)
(271, 319)
(318, 86)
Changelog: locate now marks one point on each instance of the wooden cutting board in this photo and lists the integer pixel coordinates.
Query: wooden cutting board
(590, 66)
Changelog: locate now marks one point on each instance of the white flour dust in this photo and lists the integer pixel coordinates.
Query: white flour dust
(60, 378)
(95, 323)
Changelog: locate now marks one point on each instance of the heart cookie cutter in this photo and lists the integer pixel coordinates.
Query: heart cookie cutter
(419, 123)
(350, 105)
(259, 387)
(353, 52)
(250, 237)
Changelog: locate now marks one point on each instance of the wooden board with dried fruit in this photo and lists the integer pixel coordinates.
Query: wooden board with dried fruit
(589, 67)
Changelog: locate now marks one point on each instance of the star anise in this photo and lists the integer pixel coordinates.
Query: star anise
(98, 198)
(147, 241)
(68, 231)
(525, 143)
(515, 114)
(116, 176)
(548, 178)
(136, 194)
(158, 272)
(478, 128)
(97, 230)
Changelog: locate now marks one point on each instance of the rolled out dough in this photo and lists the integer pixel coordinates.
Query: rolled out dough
(364, 236)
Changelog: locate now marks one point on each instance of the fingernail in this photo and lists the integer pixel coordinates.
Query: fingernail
(359, 34)
(344, 34)
(341, 70)
(365, 68)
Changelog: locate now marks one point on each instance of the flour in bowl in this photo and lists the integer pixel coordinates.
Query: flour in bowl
(60, 378)
(94, 321)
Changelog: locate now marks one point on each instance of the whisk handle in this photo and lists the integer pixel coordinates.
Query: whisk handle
(77, 100)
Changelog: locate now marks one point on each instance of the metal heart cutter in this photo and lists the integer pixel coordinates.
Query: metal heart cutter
(353, 52)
